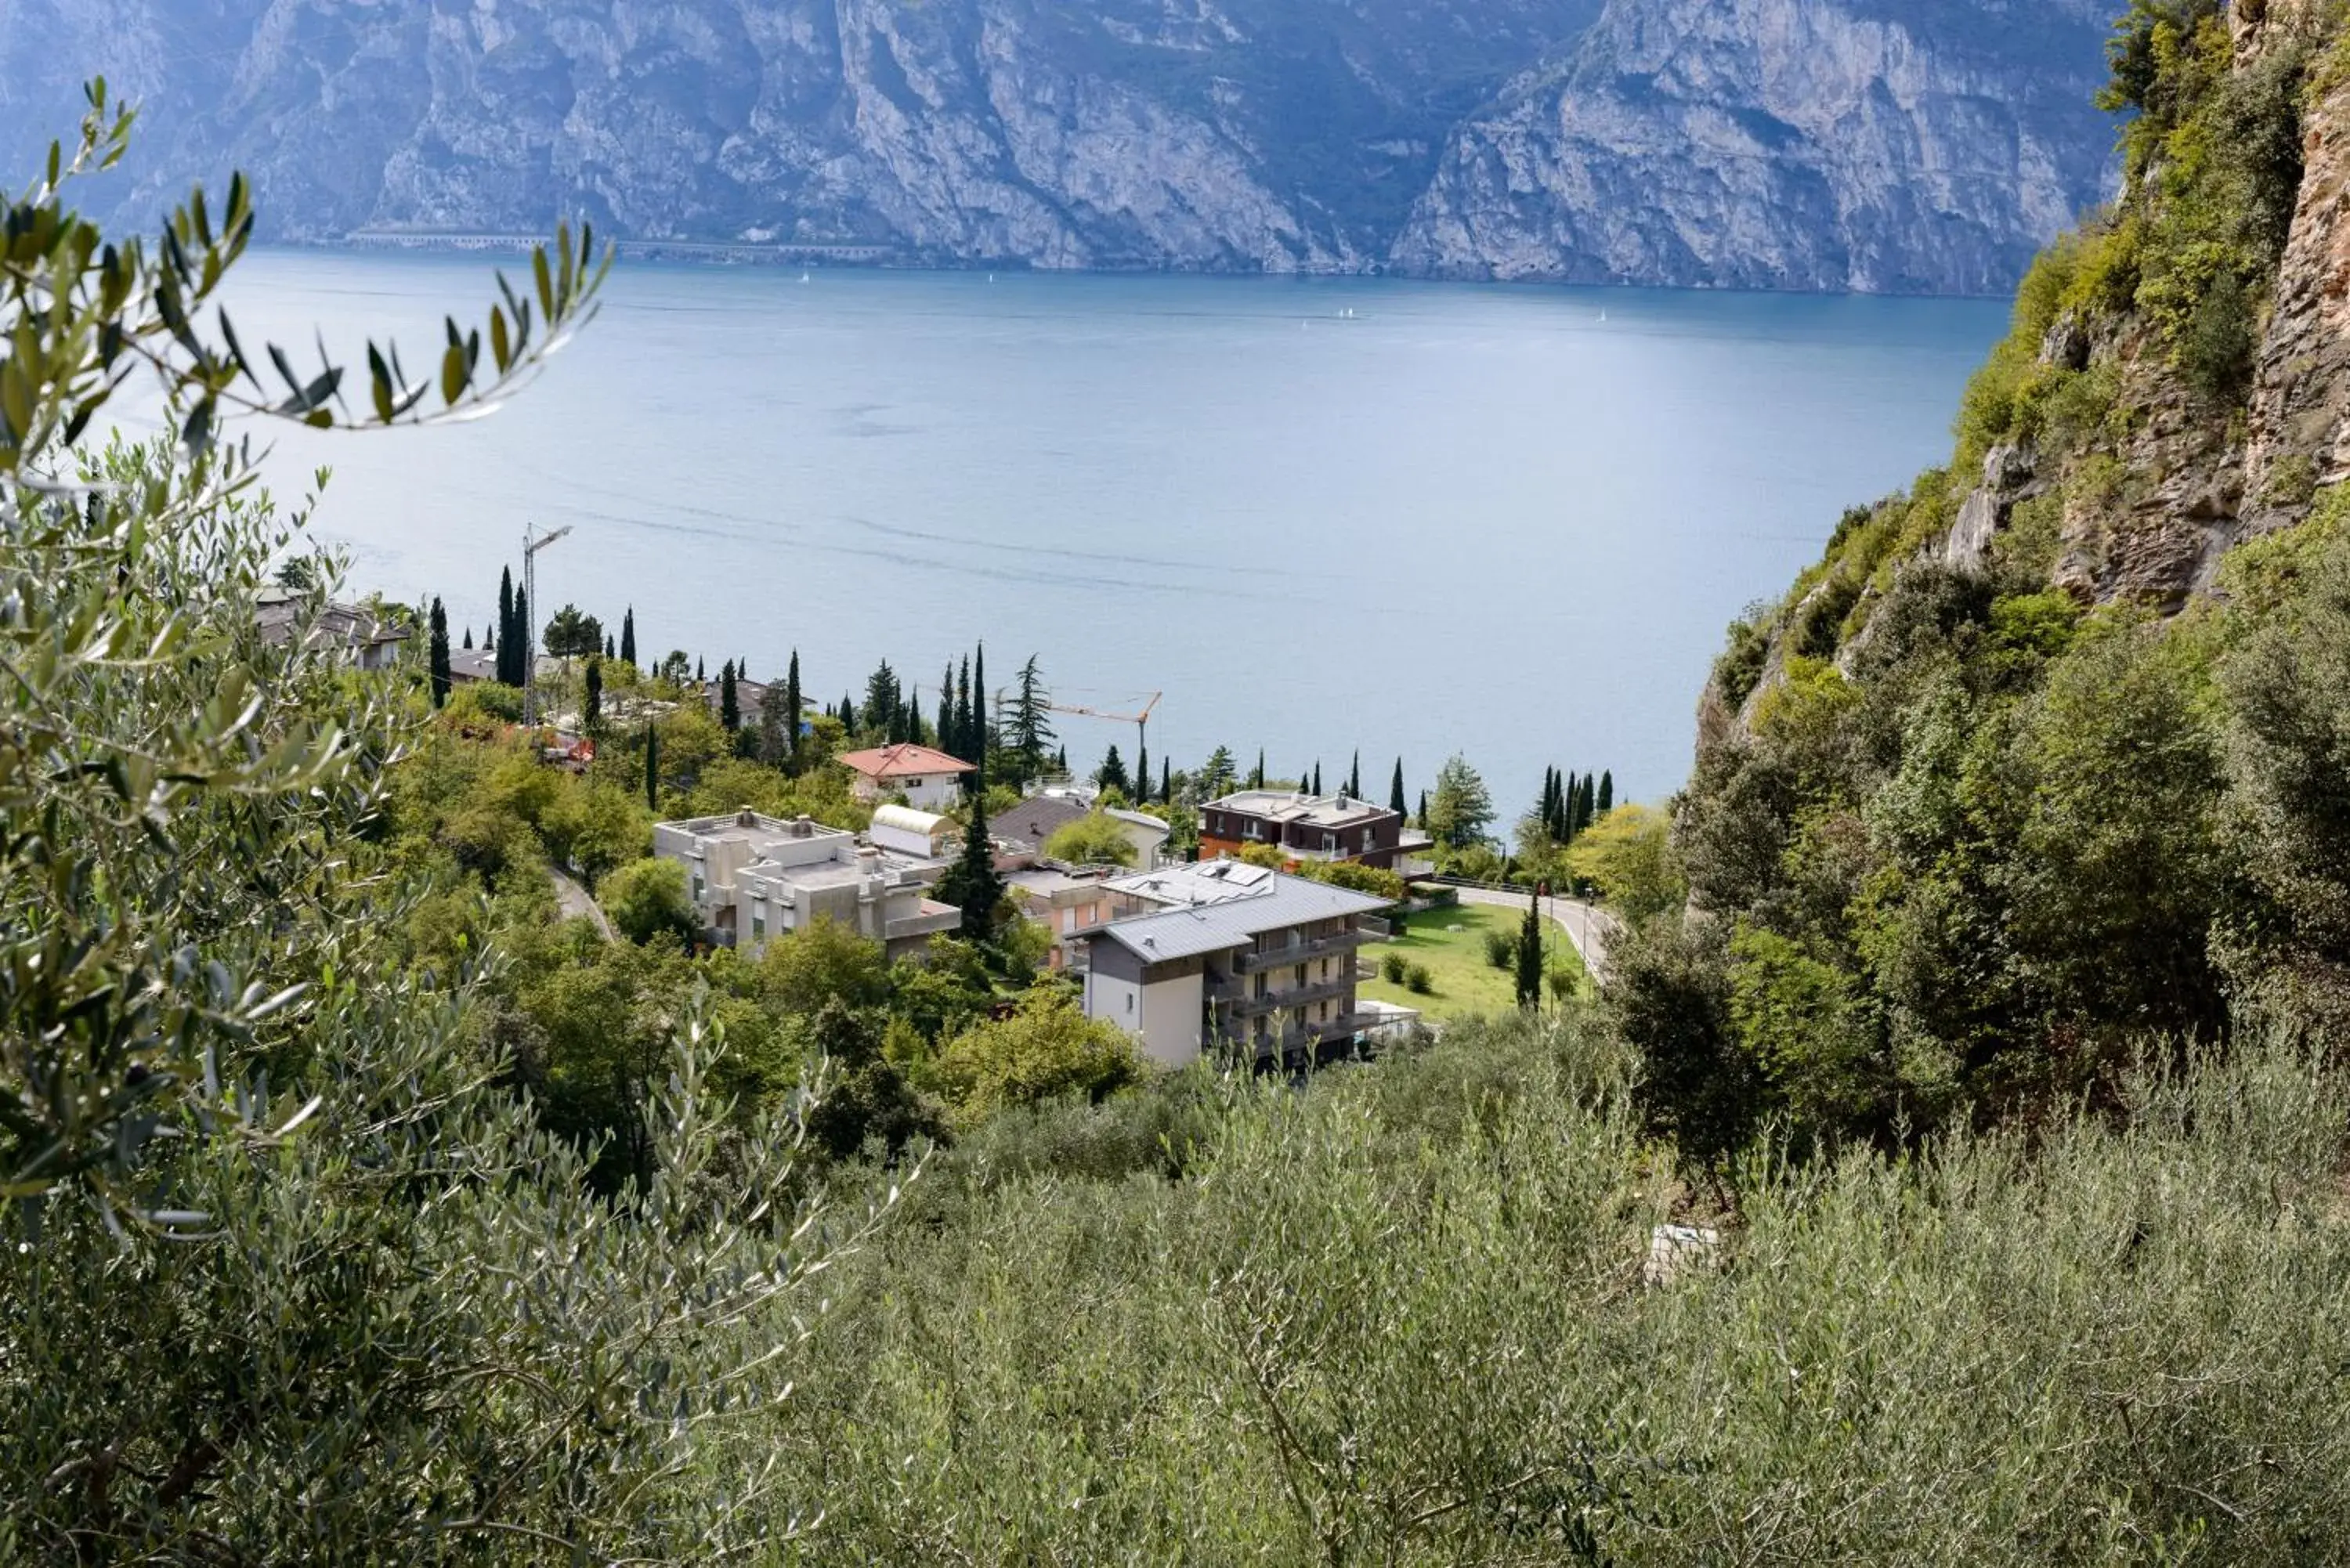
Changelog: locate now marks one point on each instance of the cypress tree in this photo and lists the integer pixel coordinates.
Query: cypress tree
(982, 734)
(1607, 791)
(1143, 775)
(1256, 779)
(1062, 762)
(1166, 781)
(437, 653)
(1530, 954)
(1355, 778)
(847, 714)
(1563, 815)
(608, 645)
(1583, 803)
(730, 699)
(1423, 810)
(592, 714)
(792, 710)
(698, 672)
(469, 638)
(947, 738)
(505, 626)
(653, 769)
(521, 643)
(629, 635)
(967, 745)
(1396, 802)
(1318, 778)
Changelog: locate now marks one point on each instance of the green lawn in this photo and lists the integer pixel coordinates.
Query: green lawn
(1451, 943)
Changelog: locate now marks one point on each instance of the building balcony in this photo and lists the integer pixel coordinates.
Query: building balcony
(1250, 1006)
(1275, 958)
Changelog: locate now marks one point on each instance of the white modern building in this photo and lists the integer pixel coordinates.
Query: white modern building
(754, 878)
(1226, 956)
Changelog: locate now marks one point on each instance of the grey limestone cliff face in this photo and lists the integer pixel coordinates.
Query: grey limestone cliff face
(1781, 143)
(1805, 144)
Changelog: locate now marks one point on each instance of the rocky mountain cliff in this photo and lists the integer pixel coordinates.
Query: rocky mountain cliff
(1785, 143)
(1780, 144)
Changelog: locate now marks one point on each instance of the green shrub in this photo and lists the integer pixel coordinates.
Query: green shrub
(1391, 968)
(1419, 982)
(1500, 949)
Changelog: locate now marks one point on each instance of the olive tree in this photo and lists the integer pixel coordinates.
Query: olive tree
(284, 1274)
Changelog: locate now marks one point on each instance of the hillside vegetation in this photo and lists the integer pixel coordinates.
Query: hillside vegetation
(2046, 757)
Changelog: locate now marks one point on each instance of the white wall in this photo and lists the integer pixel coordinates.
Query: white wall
(1171, 1013)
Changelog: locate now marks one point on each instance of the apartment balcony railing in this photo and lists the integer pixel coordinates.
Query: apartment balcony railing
(1249, 1005)
(1314, 1035)
(1275, 958)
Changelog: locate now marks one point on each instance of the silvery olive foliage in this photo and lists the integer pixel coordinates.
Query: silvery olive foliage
(284, 1274)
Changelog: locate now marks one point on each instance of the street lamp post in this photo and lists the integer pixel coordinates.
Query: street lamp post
(530, 549)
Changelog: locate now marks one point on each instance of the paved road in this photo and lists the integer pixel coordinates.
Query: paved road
(575, 901)
(1587, 926)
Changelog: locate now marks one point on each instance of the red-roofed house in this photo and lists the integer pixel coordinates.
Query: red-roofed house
(929, 779)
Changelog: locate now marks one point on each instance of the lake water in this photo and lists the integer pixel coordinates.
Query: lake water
(1318, 517)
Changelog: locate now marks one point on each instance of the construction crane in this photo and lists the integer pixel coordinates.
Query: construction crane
(530, 549)
(1142, 722)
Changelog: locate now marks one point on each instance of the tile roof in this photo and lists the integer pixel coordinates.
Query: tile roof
(903, 760)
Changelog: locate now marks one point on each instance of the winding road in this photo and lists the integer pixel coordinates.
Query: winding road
(1587, 926)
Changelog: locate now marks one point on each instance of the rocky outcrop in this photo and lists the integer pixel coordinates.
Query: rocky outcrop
(1812, 144)
(1778, 143)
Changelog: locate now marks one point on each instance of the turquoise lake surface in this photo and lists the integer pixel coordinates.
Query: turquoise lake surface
(1321, 516)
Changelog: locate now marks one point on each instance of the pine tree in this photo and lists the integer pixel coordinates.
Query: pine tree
(973, 884)
(608, 646)
(437, 653)
(505, 627)
(792, 711)
(1355, 778)
(847, 714)
(1113, 773)
(653, 769)
(1142, 774)
(730, 699)
(1607, 791)
(592, 711)
(629, 635)
(1396, 802)
(1032, 728)
(1530, 954)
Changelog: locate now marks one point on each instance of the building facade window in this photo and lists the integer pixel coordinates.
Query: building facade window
(758, 924)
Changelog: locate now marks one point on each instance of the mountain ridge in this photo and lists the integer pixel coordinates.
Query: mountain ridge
(1408, 136)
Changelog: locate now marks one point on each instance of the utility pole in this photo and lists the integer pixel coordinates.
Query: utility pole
(530, 549)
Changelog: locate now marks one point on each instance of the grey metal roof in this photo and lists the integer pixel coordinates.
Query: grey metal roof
(1039, 817)
(1218, 924)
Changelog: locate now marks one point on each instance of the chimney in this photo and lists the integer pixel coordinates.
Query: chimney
(803, 826)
